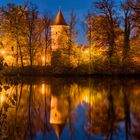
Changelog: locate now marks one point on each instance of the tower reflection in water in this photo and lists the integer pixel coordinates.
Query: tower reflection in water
(59, 106)
(58, 114)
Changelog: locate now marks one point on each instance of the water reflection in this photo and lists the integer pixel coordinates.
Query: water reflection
(59, 108)
(58, 113)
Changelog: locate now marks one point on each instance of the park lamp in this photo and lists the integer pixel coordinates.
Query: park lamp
(86, 51)
(2, 52)
(43, 58)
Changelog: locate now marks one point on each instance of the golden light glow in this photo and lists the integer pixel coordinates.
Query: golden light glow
(2, 98)
(89, 99)
(43, 58)
(86, 51)
(86, 98)
(43, 89)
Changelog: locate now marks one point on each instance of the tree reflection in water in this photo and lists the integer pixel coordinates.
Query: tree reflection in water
(59, 108)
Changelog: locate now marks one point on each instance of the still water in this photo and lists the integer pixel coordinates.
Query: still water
(70, 109)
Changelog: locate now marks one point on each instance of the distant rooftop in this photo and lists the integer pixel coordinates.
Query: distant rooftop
(59, 20)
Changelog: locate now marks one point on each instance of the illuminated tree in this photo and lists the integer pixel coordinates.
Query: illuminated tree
(106, 8)
(97, 25)
(13, 19)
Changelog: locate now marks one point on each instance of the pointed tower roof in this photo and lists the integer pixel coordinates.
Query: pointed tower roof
(59, 20)
(58, 128)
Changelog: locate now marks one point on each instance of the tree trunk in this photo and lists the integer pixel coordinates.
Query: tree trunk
(17, 56)
(126, 37)
(20, 51)
(30, 48)
(46, 41)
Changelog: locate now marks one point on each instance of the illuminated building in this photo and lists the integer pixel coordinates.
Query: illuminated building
(59, 31)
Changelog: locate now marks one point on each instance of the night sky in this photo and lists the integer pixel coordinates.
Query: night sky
(53, 5)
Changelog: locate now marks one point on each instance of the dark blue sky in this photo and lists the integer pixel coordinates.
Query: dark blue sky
(53, 5)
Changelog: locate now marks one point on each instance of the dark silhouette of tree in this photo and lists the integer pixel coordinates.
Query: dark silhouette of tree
(127, 29)
(33, 35)
(71, 33)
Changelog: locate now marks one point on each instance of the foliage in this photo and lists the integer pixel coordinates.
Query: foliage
(7, 101)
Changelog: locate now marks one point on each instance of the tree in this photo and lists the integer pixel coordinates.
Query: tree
(46, 25)
(96, 35)
(90, 36)
(127, 29)
(99, 37)
(106, 8)
(33, 34)
(13, 19)
(135, 6)
(71, 35)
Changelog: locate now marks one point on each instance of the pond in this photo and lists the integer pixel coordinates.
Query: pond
(98, 108)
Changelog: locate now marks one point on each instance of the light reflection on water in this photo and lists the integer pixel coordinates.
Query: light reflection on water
(67, 109)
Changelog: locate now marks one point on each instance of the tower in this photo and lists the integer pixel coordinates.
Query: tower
(59, 32)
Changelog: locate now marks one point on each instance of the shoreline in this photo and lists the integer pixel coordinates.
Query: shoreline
(48, 72)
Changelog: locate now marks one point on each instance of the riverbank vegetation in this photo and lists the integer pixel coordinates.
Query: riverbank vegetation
(112, 41)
